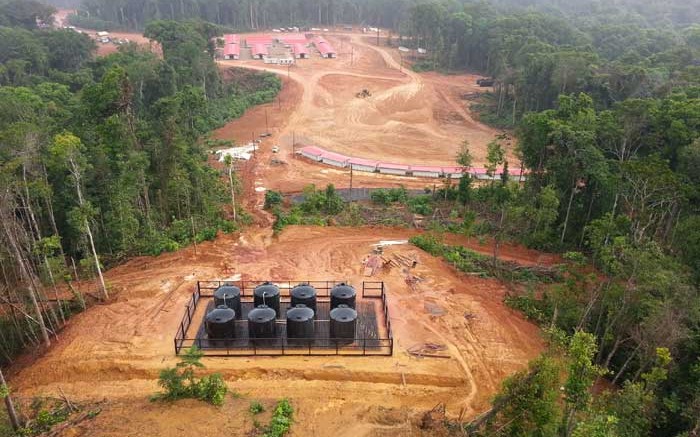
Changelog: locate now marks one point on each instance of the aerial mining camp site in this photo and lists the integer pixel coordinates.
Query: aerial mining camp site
(356, 218)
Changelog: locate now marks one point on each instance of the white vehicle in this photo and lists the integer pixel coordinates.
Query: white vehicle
(325, 30)
(315, 29)
(276, 30)
(275, 149)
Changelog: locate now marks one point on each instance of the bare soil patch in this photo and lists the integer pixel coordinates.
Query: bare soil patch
(115, 351)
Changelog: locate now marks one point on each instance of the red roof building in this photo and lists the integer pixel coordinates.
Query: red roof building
(232, 51)
(259, 50)
(252, 41)
(326, 50)
(368, 165)
(300, 51)
(292, 38)
(430, 171)
(230, 38)
(396, 169)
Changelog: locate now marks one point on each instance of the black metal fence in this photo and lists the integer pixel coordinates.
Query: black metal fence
(383, 345)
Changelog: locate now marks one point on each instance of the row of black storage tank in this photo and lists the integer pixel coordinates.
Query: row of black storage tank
(220, 322)
(269, 294)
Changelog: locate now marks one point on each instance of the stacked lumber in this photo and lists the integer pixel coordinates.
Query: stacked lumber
(407, 261)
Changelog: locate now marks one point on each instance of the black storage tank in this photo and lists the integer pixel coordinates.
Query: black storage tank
(220, 323)
(304, 294)
(343, 323)
(261, 322)
(343, 294)
(300, 322)
(268, 294)
(230, 296)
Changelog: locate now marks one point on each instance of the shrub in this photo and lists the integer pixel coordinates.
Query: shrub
(181, 231)
(429, 243)
(423, 65)
(256, 407)
(207, 234)
(281, 420)
(273, 198)
(180, 382)
(212, 389)
(159, 243)
(380, 196)
(420, 205)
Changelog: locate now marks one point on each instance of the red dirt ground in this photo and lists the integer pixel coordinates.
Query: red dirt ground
(410, 117)
(115, 351)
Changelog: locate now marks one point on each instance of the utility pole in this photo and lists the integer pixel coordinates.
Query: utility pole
(377, 36)
(350, 181)
(267, 127)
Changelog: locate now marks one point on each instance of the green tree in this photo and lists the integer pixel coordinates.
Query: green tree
(67, 151)
(581, 375)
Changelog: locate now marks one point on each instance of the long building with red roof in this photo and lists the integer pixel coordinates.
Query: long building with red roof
(232, 46)
(326, 50)
(252, 41)
(231, 38)
(292, 38)
(427, 171)
(259, 51)
(300, 51)
(232, 51)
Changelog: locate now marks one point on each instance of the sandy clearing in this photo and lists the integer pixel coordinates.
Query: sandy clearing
(116, 350)
(409, 118)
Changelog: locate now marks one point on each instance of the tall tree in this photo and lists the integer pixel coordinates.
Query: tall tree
(67, 150)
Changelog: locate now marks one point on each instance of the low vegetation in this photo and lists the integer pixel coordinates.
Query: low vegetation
(256, 408)
(282, 419)
(182, 382)
(474, 263)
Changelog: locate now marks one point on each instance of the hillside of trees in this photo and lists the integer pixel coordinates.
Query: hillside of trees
(610, 52)
(101, 159)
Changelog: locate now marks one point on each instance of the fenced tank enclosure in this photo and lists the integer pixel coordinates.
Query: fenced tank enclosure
(269, 318)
